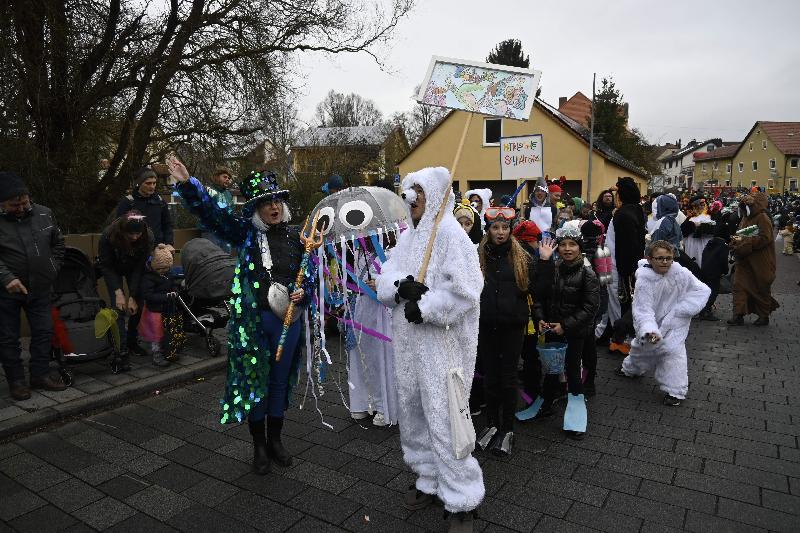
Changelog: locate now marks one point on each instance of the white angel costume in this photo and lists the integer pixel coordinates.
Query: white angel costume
(664, 305)
(447, 337)
(371, 360)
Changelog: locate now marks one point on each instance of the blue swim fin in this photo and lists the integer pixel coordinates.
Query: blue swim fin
(531, 411)
(575, 416)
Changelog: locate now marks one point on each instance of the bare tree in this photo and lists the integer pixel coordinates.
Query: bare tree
(420, 120)
(344, 110)
(85, 79)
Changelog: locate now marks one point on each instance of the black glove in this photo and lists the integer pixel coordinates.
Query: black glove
(413, 314)
(409, 289)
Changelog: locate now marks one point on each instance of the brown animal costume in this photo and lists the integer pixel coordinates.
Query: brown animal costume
(755, 262)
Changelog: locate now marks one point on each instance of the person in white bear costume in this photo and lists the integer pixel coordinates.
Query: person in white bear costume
(666, 298)
(433, 325)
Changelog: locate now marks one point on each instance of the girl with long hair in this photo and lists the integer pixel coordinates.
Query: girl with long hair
(510, 275)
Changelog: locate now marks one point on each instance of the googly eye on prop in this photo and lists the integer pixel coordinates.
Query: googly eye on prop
(326, 219)
(359, 212)
(410, 196)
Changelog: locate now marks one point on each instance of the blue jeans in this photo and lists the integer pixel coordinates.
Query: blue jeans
(277, 392)
(37, 311)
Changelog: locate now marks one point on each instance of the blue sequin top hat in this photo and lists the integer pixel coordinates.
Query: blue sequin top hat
(260, 186)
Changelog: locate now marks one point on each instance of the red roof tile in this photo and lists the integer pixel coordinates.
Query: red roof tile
(720, 153)
(785, 135)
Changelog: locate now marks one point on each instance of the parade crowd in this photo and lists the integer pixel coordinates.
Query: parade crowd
(509, 315)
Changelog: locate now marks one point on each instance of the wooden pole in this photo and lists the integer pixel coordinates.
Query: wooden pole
(423, 269)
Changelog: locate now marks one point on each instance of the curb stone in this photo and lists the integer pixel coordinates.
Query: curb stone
(65, 410)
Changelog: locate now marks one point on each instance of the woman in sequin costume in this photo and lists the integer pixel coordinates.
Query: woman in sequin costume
(270, 254)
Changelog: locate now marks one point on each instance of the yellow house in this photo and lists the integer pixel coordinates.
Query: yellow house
(565, 153)
(769, 157)
(715, 168)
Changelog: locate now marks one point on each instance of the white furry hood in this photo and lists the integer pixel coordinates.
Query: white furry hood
(486, 197)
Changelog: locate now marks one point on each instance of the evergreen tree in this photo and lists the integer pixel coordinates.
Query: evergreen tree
(509, 53)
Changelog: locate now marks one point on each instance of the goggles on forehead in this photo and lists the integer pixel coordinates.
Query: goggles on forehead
(500, 213)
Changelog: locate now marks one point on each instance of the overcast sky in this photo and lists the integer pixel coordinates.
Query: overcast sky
(687, 69)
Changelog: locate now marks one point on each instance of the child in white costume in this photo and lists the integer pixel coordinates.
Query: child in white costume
(666, 298)
(371, 360)
(435, 325)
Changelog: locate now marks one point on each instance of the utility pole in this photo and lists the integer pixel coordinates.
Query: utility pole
(591, 145)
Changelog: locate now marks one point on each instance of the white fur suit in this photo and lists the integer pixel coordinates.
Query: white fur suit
(423, 351)
(664, 305)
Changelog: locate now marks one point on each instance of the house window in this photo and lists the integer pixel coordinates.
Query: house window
(793, 162)
(751, 147)
(741, 167)
(772, 164)
(770, 184)
(755, 165)
(668, 181)
(793, 185)
(704, 168)
(764, 144)
(728, 168)
(728, 182)
(753, 183)
(492, 131)
(715, 166)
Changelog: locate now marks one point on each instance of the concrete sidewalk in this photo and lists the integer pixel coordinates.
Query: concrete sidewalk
(94, 386)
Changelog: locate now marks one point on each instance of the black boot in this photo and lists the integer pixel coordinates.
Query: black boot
(260, 450)
(736, 320)
(275, 448)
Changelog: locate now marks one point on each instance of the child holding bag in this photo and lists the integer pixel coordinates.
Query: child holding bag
(157, 289)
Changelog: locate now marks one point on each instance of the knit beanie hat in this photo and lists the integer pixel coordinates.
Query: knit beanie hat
(162, 258)
(143, 174)
(12, 186)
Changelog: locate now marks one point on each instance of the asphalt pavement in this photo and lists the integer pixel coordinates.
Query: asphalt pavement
(727, 460)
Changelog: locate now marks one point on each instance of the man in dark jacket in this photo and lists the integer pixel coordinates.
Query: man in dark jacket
(144, 199)
(31, 252)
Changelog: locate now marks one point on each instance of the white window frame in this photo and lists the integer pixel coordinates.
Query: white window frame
(727, 183)
(741, 166)
(704, 168)
(793, 162)
(770, 184)
(772, 164)
(484, 131)
(764, 144)
(755, 166)
(751, 146)
(729, 168)
(792, 185)
(753, 183)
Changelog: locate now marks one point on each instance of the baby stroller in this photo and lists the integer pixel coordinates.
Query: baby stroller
(207, 276)
(76, 302)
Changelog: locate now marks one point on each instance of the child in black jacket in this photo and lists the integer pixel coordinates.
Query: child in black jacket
(568, 314)
(157, 288)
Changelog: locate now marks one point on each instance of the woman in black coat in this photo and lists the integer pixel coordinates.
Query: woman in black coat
(510, 276)
(124, 248)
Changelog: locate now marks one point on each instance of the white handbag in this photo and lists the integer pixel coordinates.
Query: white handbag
(462, 432)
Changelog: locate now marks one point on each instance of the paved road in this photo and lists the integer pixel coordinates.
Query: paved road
(727, 460)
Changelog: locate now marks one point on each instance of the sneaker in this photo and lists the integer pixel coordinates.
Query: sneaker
(503, 444)
(48, 382)
(359, 415)
(621, 373)
(159, 360)
(736, 320)
(486, 437)
(761, 321)
(19, 391)
(415, 499)
(672, 401)
(462, 522)
(135, 349)
(620, 347)
(379, 420)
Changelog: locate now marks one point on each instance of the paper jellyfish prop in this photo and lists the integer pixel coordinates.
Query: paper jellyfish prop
(359, 212)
